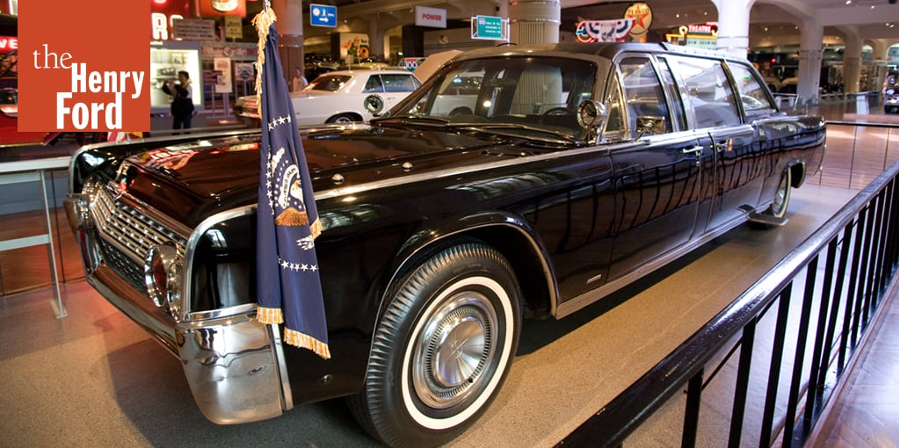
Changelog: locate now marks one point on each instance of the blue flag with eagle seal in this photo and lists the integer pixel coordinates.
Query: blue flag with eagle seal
(288, 286)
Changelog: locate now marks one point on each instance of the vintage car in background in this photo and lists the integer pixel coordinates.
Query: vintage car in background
(9, 123)
(891, 94)
(575, 169)
(338, 96)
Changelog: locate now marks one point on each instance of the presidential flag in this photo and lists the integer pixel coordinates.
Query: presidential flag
(288, 286)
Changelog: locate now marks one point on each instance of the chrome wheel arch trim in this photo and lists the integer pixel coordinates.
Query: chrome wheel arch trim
(246, 309)
(506, 220)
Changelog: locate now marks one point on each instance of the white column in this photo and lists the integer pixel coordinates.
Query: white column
(852, 59)
(810, 53)
(290, 34)
(733, 26)
(534, 21)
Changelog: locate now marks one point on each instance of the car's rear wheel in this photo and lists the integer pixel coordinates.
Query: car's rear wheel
(442, 348)
(778, 207)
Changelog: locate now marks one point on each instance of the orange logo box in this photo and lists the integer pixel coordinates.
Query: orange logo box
(84, 66)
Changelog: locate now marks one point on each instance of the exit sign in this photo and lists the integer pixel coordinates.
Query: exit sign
(490, 28)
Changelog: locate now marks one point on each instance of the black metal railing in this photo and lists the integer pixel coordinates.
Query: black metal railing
(841, 275)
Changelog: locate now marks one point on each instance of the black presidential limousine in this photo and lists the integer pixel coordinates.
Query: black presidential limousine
(517, 182)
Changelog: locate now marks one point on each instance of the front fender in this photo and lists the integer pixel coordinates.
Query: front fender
(512, 235)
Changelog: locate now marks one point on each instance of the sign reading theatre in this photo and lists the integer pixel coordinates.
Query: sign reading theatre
(89, 79)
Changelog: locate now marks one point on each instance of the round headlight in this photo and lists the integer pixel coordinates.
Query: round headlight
(162, 275)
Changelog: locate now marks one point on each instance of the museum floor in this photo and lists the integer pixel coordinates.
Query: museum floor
(93, 378)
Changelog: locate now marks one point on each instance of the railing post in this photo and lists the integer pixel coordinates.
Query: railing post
(691, 413)
(747, 342)
(799, 355)
(29, 171)
(777, 350)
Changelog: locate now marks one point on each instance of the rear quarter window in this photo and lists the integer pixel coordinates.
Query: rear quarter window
(708, 91)
(753, 94)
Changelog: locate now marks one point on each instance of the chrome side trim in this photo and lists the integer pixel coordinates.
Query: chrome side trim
(583, 300)
(451, 172)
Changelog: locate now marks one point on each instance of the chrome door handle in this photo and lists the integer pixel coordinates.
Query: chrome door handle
(694, 150)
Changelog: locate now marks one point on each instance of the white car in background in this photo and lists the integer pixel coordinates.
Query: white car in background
(338, 96)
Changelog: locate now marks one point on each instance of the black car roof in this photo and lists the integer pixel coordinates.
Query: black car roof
(605, 50)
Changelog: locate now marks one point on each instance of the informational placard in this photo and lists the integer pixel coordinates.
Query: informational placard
(244, 71)
(193, 29)
(489, 28)
(323, 15)
(233, 27)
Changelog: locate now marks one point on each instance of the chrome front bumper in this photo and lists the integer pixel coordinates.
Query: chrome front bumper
(231, 362)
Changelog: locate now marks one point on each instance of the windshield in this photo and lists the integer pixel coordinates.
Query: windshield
(538, 93)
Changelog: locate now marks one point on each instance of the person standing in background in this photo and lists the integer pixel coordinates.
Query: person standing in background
(299, 81)
(182, 100)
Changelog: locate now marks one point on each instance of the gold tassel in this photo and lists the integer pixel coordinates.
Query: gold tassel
(316, 228)
(291, 217)
(270, 316)
(263, 22)
(297, 339)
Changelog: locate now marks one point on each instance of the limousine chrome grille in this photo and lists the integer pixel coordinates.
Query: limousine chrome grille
(127, 234)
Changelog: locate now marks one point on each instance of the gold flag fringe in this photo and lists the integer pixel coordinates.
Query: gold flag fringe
(292, 217)
(316, 228)
(263, 22)
(297, 339)
(269, 315)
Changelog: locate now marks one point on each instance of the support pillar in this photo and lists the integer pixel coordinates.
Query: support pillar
(376, 42)
(733, 26)
(534, 21)
(290, 33)
(852, 60)
(810, 54)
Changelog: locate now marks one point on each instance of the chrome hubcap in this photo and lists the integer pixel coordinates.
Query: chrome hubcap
(456, 348)
(781, 196)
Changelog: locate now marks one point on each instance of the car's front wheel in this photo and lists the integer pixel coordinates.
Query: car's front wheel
(442, 348)
(342, 119)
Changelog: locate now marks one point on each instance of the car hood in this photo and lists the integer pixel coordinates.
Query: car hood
(190, 182)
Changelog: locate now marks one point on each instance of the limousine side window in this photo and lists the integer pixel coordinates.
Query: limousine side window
(642, 91)
(752, 94)
(709, 92)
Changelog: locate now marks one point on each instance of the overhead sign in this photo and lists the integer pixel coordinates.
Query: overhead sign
(433, 17)
(490, 28)
(323, 15)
